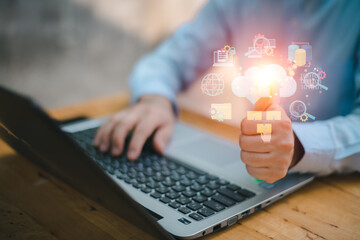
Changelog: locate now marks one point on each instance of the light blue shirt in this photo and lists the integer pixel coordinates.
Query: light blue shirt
(332, 142)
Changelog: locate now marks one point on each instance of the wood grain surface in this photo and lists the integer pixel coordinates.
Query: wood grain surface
(36, 205)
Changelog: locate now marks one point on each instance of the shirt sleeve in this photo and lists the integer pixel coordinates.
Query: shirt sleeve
(181, 58)
(332, 145)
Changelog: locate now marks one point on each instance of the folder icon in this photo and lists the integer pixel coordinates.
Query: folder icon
(263, 128)
(254, 115)
(273, 115)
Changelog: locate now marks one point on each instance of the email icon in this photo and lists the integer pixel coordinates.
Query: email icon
(263, 128)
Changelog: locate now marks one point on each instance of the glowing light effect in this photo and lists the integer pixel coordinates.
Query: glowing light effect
(268, 81)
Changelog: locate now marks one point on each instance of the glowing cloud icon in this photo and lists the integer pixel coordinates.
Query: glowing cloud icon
(264, 82)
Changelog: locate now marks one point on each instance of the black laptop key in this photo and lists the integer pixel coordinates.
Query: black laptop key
(127, 180)
(197, 187)
(194, 206)
(223, 200)
(196, 216)
(234, 196)
(207, 192)
(246, 193)
(158, 177)
(184, 210)
(217, 207)
(131, 174)
(213, 185)
(110, 170)
(181, 170)
(202, 180)
(206, 212)
(191, 175)
(115, 164)
(168, 182)
(183, 200)
(178, 188)
(152, 184)
(146, 190)
(162, 189)
(222, 182)
(199, 198)
(165, 171)
(148, 172)
(185, 182)
(189, 193)
(141, 179)
(136, 184)
(172, 195)
(175, 205)
(156, 167)
(165, 199)
(175, 176)
(119, 175)
(172, 165)
(233, 187)
(212, 177)
(155, 195)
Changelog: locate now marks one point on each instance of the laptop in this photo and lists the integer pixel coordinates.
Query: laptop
(197, 187)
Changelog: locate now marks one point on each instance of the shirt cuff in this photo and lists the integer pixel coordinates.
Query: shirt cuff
(319, 148)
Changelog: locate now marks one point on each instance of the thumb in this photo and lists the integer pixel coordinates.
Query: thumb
(162, 137)
(263, 103)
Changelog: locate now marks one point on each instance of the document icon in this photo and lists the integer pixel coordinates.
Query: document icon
(273, 115)
(254, 115)
(222, 56)
(265, 131)
(221, 112)
(263, 128)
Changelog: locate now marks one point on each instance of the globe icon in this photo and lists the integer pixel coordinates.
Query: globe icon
(212, 84)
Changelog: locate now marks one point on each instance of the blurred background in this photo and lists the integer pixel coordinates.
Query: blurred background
(61, 52)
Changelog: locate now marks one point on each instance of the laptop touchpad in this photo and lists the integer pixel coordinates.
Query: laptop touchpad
(197, 147)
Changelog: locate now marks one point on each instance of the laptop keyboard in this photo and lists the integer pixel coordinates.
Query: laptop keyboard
(189, 190)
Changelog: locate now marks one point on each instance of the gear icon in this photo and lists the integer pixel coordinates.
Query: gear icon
(258, 36)
(322, 74)
(213, 111)
(227, 48)
(220, 116)
(304, 118)
(259, 41)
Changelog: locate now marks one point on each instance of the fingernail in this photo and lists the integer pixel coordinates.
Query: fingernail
(103, 147)
(115, 151)
(132, 154)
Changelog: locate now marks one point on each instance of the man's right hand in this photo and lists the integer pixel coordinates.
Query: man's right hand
(152, 113)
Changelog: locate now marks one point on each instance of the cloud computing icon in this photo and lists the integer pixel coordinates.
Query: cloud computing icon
(269, 81)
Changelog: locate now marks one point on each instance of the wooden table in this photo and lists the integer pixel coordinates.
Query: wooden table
(35, 205)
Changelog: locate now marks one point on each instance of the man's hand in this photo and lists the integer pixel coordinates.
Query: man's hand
(151, 113)
(268, 161)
